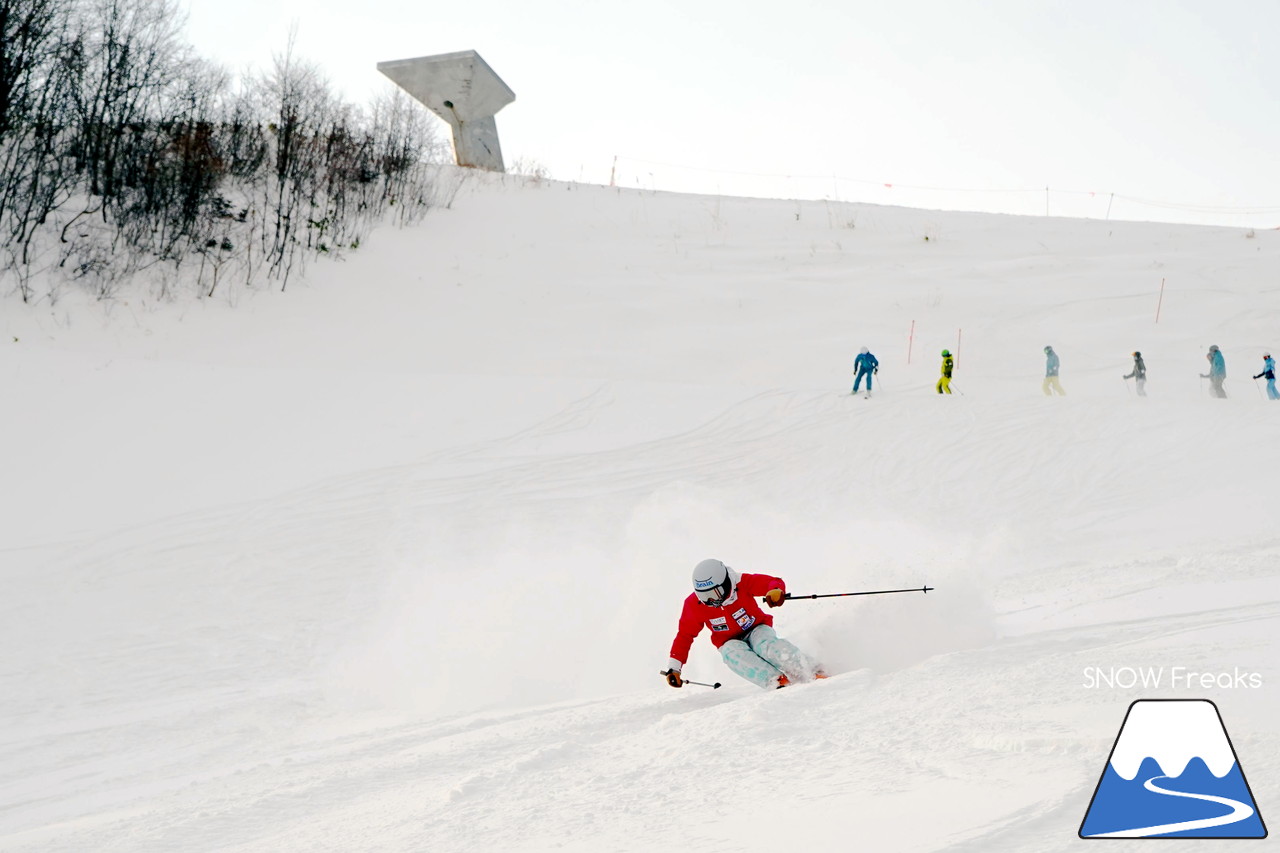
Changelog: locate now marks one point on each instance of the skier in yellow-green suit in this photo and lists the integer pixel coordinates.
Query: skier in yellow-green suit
(948, 365)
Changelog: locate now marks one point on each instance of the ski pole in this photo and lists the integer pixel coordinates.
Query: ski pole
(1127, 389)
(1259, 387)
(789, 596)
(699, 683)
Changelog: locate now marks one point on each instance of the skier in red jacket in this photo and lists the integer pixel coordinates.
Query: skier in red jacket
(724, 601)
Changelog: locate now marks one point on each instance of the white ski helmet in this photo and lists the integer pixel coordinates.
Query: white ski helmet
(714, 583)
(864, 350)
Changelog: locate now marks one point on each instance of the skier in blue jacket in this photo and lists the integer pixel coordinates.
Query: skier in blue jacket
(864, 365)
(1269, 371)
(1217, 372)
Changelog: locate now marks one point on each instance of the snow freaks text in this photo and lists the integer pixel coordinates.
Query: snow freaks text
(1174, 677)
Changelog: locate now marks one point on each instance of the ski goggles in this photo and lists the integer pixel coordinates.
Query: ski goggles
(716, 595)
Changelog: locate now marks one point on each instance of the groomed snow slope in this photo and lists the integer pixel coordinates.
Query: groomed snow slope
(391, 561)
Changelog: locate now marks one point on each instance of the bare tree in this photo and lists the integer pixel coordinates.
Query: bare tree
(127, 53)
(34, 91)
(405, 141)
(298, 101)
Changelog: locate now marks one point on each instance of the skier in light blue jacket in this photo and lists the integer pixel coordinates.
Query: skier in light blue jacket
(1269, 371)
(866, 365)
(1217, 372)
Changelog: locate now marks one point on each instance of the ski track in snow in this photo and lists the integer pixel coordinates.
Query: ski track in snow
(450, 645)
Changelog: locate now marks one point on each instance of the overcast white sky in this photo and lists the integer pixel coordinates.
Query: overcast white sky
(1175, 101)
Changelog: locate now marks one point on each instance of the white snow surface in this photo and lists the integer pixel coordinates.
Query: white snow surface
(390, 561)
(1172, 733)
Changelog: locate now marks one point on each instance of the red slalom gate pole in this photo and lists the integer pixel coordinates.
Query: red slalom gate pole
(1160, 301)
(911, 336)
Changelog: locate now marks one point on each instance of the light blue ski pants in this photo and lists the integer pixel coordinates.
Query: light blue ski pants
(762, 656)
(1272, 393)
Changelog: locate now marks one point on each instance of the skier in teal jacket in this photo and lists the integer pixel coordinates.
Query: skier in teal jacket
(1052, 364)
(864, 365)
(1217, 372)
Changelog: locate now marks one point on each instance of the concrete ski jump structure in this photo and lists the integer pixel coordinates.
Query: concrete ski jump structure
(463, 90)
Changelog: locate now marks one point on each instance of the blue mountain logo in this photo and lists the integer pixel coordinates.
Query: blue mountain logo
(1173, 773)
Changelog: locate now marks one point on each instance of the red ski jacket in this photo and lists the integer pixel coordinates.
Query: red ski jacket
(728, 622)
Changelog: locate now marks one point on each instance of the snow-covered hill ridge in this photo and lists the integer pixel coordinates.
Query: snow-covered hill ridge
(389, 562)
